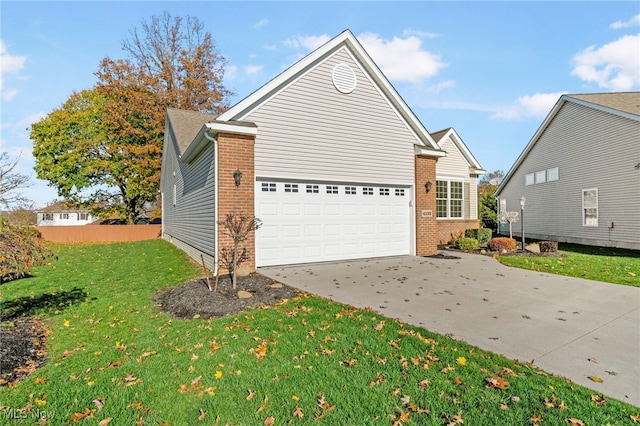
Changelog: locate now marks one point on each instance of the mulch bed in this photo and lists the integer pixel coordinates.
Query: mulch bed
(193, 298)
(22, 349)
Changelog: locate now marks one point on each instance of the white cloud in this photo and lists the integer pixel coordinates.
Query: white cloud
(230, 72)
(261, 23)
(9, 64)
(613, 66)
(633, 22)
(537, 105)
(270, 47)
(307, 42)
(437, 88)
(253, 69)
(418, 33)
(402, 59)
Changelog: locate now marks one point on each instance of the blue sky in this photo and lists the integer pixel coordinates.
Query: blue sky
(491, 70)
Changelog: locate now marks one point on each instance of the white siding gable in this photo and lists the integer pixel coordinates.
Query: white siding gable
(312, 130)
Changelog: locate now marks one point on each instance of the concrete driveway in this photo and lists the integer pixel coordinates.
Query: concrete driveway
(570, 327)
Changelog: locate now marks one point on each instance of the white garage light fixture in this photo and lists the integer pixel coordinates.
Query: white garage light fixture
(237, 177)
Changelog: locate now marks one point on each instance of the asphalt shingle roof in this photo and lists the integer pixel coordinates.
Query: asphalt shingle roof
(187, 124)
(628, 102)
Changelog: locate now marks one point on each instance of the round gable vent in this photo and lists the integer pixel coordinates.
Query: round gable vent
(343, 78)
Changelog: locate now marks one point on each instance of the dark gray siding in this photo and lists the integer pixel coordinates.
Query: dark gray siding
(190, 222)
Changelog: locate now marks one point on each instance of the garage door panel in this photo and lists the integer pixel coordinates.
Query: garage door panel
(334, 222)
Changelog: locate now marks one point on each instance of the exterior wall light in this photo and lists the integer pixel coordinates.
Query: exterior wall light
(428, 185)
(237, 177)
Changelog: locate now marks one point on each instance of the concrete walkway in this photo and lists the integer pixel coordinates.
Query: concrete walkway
(570, 327)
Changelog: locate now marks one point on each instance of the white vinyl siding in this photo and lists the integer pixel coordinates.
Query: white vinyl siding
(574, 143)
(332, 136)
(452, 166)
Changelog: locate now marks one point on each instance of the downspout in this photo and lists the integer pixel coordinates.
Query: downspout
(215, 201)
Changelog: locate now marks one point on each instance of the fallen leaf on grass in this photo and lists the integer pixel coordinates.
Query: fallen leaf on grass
(574, 422)
(41, 380)
(297, 412)
(456, 420)
(79, 416)
(269, 421)
(496, 382)
(635, 418)
(461, 361)
(105, 422)
(599, 400)
(202, 415)
(251, 395)
(99, 403)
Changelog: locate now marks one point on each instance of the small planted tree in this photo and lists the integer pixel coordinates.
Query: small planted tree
(509, 217)
(236, 226)
(21, 247)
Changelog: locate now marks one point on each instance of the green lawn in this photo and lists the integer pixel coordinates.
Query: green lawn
(115, 359)
(616, 266)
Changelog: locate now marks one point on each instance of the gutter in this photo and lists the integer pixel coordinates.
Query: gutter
(215, 196)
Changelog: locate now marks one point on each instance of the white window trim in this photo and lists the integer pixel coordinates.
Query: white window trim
(449, 180)
(584, 217)
(553, 174)
(529, 179)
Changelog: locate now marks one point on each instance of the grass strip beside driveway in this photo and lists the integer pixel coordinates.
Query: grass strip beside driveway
(115, 359)
(610, 265)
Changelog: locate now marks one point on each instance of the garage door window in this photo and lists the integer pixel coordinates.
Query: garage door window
(350, 190)
(290, 187)
(313, 189)
(367, 191)
(268, 187)
(384, 191)
(332, 189)
(399, 192)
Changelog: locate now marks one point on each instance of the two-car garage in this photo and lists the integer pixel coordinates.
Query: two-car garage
(306, 222)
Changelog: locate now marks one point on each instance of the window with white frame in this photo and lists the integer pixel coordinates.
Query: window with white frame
(83, 216)
(384, 191)
(332, 189)
(47, 216)
(553, 174)
(367, 191)
(590, 207)
(350, 190)
(529, 179)
(449, 199)
(399, 192)
(313, 189)
(541, 176)
(64, 216)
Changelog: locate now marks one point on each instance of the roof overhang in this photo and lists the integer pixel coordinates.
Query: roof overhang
(424, 150)
(210, 131)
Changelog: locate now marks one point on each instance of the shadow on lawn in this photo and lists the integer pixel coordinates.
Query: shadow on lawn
(28, 305)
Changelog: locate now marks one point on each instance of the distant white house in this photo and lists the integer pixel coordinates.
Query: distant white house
(580, 173)
(60, 215)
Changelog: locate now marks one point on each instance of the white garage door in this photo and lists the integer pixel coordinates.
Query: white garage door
(314, 222)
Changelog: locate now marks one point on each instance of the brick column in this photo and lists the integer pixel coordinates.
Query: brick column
(426, 238)
(235, 151)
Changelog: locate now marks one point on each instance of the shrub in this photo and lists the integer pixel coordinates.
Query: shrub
(21, 248)
(548, 246)
(502, 243)
(483, 235)
(466, 243)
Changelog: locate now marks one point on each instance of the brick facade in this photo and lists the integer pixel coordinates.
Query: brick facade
(236, 151)
(448, 230)
(426, 226)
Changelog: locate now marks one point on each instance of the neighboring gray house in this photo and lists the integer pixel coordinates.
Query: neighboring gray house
(580, 173)
(328, 156)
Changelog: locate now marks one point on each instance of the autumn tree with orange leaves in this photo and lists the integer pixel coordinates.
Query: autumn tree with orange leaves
(103, 147)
